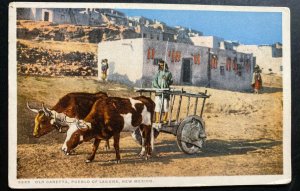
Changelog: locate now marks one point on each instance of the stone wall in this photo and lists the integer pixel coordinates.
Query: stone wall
(44, 62)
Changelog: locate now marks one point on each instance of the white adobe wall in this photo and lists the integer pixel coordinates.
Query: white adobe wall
(81, 19)
(198, 72)
(34, 13)
(207, 41)
(26, 13)
(55, 15)
(264, 57)
(150, 33)
(125, 60)
(230, 80)
(50, 14)
(61, 16)
(128, 64)
(37, 12)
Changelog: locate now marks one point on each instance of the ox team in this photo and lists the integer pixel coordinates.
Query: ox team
(98, 116)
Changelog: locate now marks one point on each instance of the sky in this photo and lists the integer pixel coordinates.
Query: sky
(245, 27)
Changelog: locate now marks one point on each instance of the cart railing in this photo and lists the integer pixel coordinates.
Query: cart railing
(172, 93)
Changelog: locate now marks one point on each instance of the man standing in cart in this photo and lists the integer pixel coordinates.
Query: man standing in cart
(163, 79)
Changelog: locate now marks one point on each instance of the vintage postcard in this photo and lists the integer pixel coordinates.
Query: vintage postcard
(105, 95)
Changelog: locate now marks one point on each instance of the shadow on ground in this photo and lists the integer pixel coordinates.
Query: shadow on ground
(216, 147)
(271, 90)
(213, 148)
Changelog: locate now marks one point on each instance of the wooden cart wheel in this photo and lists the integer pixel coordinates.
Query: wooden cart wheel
(191, 135)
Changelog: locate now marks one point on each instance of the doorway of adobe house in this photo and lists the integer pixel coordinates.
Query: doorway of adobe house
(186, 72)
(46, 16)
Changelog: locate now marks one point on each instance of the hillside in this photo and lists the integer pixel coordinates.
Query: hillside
(42, 30)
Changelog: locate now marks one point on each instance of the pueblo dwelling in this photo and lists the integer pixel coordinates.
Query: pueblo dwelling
(134, 62)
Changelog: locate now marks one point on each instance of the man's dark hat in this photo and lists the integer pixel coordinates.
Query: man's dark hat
(163, 64)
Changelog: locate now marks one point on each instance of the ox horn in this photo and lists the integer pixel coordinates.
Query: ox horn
(82, 127)
(46, 110)
(31, 109)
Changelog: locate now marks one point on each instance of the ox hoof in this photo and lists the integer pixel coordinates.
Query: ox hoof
(88, 161)
(142, 154)
(148, 157)
(66, 152)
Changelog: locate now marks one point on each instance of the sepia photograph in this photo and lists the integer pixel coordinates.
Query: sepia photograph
(135, 95)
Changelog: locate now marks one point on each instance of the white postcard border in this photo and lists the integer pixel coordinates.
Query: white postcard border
(14, 182)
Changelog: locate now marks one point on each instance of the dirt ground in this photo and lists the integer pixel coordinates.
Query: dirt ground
(244, 136)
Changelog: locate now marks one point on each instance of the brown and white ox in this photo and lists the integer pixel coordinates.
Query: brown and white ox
(72, 105)
(107, 118)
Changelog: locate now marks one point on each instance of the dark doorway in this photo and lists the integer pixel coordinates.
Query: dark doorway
(186, 70)
(46, 16)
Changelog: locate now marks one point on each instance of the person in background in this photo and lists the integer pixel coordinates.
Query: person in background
(163, 79)
(256, 80)
(104, 68)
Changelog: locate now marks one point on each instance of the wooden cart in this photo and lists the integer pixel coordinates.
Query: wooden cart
(190, 131)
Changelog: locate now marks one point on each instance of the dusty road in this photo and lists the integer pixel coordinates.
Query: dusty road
(244, 137)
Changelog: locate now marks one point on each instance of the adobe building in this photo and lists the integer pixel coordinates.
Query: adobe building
(268, 57)
(207, 41)
(213, 42)
(134, 62)
(79, 16)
